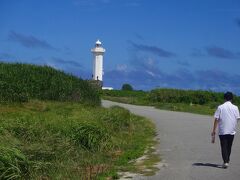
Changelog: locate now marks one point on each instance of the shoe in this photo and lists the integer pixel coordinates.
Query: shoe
(225, 165)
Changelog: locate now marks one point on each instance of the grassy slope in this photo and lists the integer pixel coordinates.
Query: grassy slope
(21, 82)
(48, 135)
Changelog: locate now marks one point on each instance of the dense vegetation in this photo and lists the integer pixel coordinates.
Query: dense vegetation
(21, 82)
(127, 87)
(131, 97)
(64, 140)
(52, 127)
(203, 102)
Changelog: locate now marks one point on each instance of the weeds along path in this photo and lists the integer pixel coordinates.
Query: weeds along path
(185, 146)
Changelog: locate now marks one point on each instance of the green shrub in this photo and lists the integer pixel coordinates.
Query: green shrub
(13, 164)
(184, 96)
(127, 87)
(90, 136)
(12, 93)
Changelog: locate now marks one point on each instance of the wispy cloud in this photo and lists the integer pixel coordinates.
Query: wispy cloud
(29, 41)
(220, 52)
(121, 67)
(152, 49)
(63, 62)
(145, 64)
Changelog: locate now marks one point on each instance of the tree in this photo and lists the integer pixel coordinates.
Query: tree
(127, 87)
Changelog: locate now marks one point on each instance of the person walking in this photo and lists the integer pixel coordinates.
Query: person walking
(226, 117)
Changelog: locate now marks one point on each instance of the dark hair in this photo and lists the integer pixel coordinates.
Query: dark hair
(228, 96)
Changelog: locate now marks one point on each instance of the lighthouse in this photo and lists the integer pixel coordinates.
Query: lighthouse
(98, 52)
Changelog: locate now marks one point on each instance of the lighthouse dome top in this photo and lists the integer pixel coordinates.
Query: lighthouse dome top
(98, 42)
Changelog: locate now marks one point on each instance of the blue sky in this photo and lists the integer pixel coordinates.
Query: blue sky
(188, 44)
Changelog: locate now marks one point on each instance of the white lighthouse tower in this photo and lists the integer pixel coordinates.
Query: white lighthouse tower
(98, 52)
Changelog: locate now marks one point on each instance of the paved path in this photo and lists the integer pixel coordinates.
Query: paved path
(185, 146)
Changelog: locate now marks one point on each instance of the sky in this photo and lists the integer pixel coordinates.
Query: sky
(187, 44)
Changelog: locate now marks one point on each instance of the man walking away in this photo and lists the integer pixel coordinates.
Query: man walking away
(226, 117)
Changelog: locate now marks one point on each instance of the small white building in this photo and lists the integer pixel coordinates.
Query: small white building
(107, 88)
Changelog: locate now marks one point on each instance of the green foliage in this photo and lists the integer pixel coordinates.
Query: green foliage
(120, 93)
(118, 118)
(91, 136)
(13, 164)
(195, 101)
(130, 97)
(127, 87)
(67, 140)
(21, 82)
(184, 96)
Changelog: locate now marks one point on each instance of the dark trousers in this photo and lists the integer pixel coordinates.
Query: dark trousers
(226, 146)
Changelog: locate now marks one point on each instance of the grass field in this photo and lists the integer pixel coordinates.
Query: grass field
(181, 107)
(199, 102)
(64, 140)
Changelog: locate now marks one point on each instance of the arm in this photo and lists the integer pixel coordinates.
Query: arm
(214, 129)
(238, 115)
(215, 126)
(216, 116)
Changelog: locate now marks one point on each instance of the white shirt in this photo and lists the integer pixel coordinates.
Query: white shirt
(227, 115)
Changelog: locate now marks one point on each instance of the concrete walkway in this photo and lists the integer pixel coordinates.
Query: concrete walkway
(185, 146)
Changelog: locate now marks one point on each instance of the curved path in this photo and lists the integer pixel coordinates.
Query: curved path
(185, 146)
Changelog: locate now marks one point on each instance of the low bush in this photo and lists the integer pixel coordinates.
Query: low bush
(91, 136)
(127, 87)
(184, 96)
(188, 97)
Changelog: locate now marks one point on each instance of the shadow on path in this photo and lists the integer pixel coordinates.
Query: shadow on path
(208, 165)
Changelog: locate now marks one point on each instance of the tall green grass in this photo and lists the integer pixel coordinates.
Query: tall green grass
(21, 82)
(67, 140)
(13, 164)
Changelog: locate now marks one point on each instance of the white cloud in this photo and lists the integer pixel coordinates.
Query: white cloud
(150, 73)
(122, 67)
